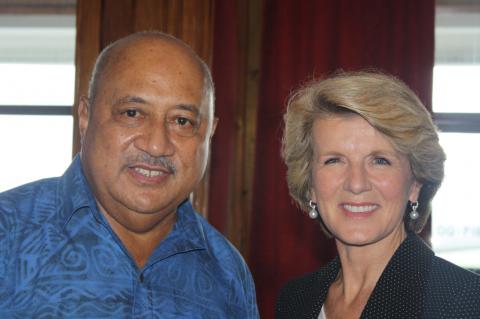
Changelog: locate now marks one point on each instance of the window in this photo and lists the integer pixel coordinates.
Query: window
(456, 104)
(37, 77)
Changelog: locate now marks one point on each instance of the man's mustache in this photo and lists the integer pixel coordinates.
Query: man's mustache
(145, 158)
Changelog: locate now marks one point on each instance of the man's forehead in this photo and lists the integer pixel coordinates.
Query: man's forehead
(164, 60)
(155, 50)
(160, 56)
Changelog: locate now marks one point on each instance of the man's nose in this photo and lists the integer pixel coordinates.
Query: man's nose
(357, 180)
(155, 140)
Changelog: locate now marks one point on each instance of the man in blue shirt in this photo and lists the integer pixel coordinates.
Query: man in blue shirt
(115, 236)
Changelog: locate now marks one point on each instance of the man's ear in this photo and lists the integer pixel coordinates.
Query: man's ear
(83, 116)
(214, 127)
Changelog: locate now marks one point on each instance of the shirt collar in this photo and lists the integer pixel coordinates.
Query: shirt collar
(74, 193)
(187, 235)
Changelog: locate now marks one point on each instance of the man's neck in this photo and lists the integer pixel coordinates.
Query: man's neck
(140, 245)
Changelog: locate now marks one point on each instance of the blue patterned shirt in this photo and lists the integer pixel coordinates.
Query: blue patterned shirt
(59, 258)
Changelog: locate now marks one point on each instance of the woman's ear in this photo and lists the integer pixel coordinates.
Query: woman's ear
(312, 195)
(415, 191)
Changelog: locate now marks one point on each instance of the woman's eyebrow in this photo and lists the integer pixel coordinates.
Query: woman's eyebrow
(385, 153)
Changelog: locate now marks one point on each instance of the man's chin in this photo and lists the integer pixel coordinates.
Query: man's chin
(144, 205)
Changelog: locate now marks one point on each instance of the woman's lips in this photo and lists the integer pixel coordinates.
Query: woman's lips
(359, 210)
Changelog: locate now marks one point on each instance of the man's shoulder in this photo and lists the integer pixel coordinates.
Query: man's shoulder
(25, 197)
(219, 246)
(219, 258)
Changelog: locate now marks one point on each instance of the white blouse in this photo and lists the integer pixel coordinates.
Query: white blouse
(322, 313)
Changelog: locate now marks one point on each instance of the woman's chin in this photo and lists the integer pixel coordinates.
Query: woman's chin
(366, 237)
(357, 238)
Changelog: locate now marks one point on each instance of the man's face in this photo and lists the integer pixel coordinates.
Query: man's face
(145, 143)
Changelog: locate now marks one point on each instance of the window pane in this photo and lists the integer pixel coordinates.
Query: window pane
(457, 32)
(456, 218)
(36, 69)
(37, 84)
(37, 38)
(456, 74)
(456, 88)
(456, 78)
(33, 147)
(37, 59)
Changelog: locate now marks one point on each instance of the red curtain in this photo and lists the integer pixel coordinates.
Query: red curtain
(226, 55)
(302, 40)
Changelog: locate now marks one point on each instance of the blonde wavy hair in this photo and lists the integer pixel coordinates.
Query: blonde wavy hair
(388, 105)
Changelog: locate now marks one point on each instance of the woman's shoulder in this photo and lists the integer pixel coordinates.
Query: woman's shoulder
(453, 291)
(303, 296)
(325, 275)
(448, 275)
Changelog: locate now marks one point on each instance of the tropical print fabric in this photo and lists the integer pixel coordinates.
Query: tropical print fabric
(59, 258)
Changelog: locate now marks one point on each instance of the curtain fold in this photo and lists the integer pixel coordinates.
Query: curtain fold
(304, 40)
(225, 73)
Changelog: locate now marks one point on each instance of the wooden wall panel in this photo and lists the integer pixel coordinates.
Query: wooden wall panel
(241, 193)
(237, 53)
(146, 17)
(189, 20)
(197, 28)
(117, 20)
(86, 51)
(239, 225)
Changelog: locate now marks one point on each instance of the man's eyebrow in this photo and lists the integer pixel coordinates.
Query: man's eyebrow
(189, 107)
(129, 99)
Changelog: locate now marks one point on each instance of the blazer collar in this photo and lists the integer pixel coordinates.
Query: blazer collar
(316, 295)
(399, 290)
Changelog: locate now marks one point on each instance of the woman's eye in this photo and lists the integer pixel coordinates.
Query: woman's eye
(381, 161)
(331, 161)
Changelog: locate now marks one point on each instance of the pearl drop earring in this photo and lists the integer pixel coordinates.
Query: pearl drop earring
(313, 212)
(414, 214)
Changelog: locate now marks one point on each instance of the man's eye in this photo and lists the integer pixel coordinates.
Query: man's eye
(182, 125)
(129, 116)
(381, 161)
(131, 113)
(183, 121)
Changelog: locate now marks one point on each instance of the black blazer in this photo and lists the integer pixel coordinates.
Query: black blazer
(415, 284)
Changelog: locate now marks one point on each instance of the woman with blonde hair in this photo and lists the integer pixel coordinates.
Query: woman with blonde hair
(363, 158)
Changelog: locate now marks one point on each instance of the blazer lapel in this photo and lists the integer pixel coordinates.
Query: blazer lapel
(399, 292)
(316, 296)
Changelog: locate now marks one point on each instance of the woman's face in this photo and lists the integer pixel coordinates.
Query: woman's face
(361, 184)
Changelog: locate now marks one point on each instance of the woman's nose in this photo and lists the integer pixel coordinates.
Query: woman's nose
(357, 180)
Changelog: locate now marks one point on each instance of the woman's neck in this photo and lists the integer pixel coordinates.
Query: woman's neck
(362, 266)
